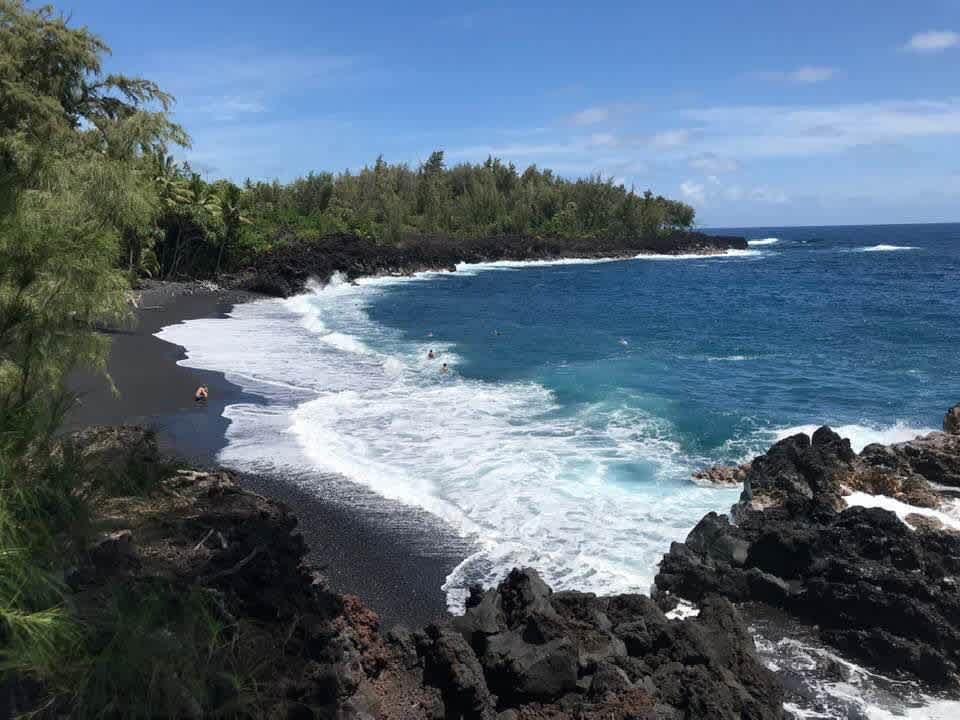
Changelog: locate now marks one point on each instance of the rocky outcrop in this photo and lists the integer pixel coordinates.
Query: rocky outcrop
(286, 269)
(576, 655)
(934, 457)
(722, 475)
(951, 421)
(880, 590)
(519, 651)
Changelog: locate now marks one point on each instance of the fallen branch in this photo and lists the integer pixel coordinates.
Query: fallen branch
(207, 579)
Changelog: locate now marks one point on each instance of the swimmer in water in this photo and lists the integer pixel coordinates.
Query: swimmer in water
(444, 368)
(430, 355)
(623, 341)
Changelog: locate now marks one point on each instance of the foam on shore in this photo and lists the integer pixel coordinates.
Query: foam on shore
(860, 435)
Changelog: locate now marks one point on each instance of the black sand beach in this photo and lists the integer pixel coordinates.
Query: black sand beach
(395, 559)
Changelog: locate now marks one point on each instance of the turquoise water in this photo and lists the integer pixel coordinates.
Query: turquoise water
(580, 396)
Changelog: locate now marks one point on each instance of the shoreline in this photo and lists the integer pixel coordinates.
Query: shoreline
(391, 556)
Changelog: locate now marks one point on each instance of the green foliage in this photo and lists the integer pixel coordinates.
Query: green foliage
(493, 198)
(76, 184)
(386, 202)
(153, 649)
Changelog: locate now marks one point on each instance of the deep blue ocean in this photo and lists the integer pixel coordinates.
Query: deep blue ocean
(578, 397)
(824, 325)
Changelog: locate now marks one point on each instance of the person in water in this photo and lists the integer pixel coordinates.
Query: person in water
(430, 355)
(444, 368)
(201, 394)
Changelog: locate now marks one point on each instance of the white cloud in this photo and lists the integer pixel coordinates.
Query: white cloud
(603, 139)
(591, 116)
(693, 191)
(515, 150)
(933, 41)
(602, 113)
(670, 139)
(810, 74)
(713, 188)
(799, 131)
(712, 163)
(769, 195)
(805, 75)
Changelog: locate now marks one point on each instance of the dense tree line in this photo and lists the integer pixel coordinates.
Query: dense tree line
(200, 230)
(386, 202)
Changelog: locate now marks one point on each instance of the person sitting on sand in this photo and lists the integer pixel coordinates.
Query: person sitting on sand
(430, 355)
(201, 394)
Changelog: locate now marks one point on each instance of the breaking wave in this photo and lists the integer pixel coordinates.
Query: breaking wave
(861, 435)
(886, 248)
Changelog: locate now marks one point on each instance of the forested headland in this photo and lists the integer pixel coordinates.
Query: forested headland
(389, 203)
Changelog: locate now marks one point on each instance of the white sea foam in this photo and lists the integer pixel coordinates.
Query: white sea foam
(473, 268)
(817, 690)
(725, 255)
(950, 518)
(764, 241)
(860, 435)
(886, 248)
(683, 610)
(529, 482)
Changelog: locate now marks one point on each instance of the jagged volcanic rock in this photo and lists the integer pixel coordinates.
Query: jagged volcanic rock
(876, 588)
(286, 269)
(519, 651)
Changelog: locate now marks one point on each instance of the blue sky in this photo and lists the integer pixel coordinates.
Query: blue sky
(757, 113)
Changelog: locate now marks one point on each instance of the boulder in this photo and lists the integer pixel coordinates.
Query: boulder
(722, 475)
(951, 421)
(586, 656)
(451, 666)
(934, 457)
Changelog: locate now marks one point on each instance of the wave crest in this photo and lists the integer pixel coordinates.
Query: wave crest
(886, 248)
(861, 435)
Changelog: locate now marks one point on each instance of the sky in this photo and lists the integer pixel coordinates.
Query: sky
(756, 113)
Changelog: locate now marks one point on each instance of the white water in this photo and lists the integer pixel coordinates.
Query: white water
(764, 241)
(496, 461)
(474, 268)
(886, 248)
(861, 435)
(950, 518)
(810, 671)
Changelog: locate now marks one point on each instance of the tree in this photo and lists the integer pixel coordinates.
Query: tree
(232, 218)
(75, 177)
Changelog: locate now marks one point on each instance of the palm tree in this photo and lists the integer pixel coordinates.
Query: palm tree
(232, 218)
(193, 200)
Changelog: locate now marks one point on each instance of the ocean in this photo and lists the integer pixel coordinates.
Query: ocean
(580, 395)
